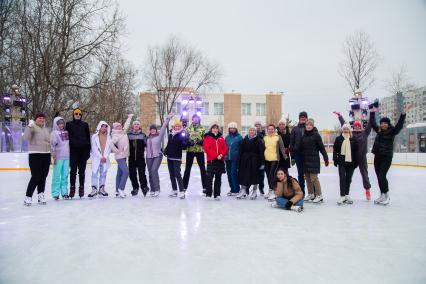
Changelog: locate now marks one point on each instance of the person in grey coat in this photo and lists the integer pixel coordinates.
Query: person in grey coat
(361, 137)
(154, 155)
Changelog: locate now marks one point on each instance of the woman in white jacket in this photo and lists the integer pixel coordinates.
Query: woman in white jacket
(100, 151)
(120, 147)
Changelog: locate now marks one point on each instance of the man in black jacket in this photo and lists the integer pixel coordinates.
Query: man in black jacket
(296, 155)
(79, 137)
(137, 165)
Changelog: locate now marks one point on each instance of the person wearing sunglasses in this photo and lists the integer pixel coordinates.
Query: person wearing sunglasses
(79, 141)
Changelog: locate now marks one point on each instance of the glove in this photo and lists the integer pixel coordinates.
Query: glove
(288, 205)
(262, 167)
(31, 123)
(293, 162)
(326, 163)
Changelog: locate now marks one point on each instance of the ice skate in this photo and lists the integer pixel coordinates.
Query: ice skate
(28, 201)
(348, 200)
(272, 196)
(181, 194)
(296, 208)
(318, 199)
(41, 199)
(72, 192)
(152, 193)
(217, 198)
(156, 193)
(56, 197)
(309, 198)
(341, 200)
(94, 192)
(380, 199)
(385, 200)
(253, 193)
(134, 192)
(81, 191)
(232, 194)
(145, 190)
(242, 194)
(266, 196)
(121, 193)
(102, 191)
(173, 193)
(274, 204)
(66, 197)
(367, 194)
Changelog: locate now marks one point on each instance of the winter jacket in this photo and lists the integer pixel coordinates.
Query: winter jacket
(79, 134)
(261, 133)
(215, 145)
(176, 143)
(250, 158)
(339, 159)
(38, 139)
(293, 193)
(96, 151)
(296, 137)
(153, 142)
(361, 137)
(59, 142)
(120, 141)
(274, 146)
(310, 144)
(285, 163)
(383, 144)
(196, 134)
(233, 142)
(137, 143)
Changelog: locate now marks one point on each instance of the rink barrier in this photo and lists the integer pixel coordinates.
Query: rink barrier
(19, 161)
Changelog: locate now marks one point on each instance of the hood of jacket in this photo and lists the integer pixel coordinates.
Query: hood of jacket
(55, 125)
(99, 127)
(212, 135)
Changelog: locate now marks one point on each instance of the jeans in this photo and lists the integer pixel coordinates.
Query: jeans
(201, 164)
(60, 178)
(99, 177)
(174, 171)
(345, 177)
(153, 165)
(122, 174)
(232, 173)
(281, 201)
(39, 166)
(382, 165)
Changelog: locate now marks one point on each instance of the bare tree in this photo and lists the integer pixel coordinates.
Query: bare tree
(399, 82)
(174, 67)
(359, 62)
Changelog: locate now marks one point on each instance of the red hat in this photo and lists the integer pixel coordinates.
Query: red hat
(357, 124)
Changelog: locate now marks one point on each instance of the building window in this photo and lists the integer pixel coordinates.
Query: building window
(218, 108)
(205, 108)
(246, 109)
(176, 107)
(260, 109)
(244, 130)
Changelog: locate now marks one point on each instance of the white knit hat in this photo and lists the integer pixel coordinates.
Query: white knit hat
(283, 121)
(346, 125)
(214, 123)
(233, 125)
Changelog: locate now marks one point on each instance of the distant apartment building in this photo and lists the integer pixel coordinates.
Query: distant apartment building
(244, 109)
(392, 106)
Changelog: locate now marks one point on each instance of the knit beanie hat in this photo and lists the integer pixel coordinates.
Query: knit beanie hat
(76, 110)
(303, 114)
(258, 122)
(39, 114)
(385, 120)
(346, 125)
(311, 121)
(136, 122)
(357, 123)
(282, 121)
(214, 123)
(232, 125)
(153, 126)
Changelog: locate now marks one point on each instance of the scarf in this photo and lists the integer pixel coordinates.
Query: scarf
(346, 147)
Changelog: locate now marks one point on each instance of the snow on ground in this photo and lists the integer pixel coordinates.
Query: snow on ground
(165, 240)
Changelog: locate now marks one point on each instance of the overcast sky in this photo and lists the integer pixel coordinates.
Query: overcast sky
(290, 46)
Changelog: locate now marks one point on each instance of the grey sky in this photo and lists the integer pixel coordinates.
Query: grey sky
(289, 46)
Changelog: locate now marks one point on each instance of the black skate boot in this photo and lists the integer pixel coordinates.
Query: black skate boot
(134, 191)
(65, 196)
(102, 191)
(145, 190)
(56, 197)
(81, 191)
(72, 191)
(94, 192)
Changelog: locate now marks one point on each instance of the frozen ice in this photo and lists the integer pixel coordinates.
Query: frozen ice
(167, 240)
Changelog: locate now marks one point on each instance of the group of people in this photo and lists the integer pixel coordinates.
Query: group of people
(246, 160)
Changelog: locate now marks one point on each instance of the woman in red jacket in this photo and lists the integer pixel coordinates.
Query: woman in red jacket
(215, 147)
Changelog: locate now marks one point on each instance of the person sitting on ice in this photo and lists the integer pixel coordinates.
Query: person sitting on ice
(345, 157)
(100, 150)
(120, 147)
(383, 149)
(288, 191)
(177, 142)
(361, 136)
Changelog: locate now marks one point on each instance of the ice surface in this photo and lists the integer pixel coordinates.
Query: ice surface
(164, 240)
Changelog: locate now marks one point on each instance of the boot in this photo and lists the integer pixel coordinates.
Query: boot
(341, 200)
(28, 201)
(41, 199)
(348, 200)
(72, 191)
(253, 192)
(309, 197)
(271, 195)
(134, 191)
(318, 199)
(81, 191)
(173, 193)
(296, 208)
(102, 191)
(121, 193)
(94, 192)
(385, 200)
(368, 194)
(145, 190)
(242, 194)
(380, 199)
(181, 194)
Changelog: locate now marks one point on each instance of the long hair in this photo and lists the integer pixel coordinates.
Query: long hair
(289, 178)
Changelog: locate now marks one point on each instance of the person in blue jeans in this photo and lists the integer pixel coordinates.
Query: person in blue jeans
(288, 191)
(296, 155)
(233, 141)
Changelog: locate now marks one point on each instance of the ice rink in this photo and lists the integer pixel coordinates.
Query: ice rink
(165, 240)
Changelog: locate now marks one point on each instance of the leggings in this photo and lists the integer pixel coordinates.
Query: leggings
(39, 166)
